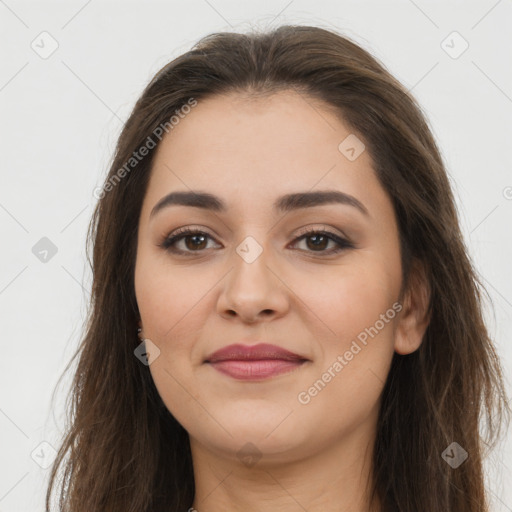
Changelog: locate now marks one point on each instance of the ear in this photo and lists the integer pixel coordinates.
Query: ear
(414, 317)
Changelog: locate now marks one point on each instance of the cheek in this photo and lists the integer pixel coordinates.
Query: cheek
(358, 310)
(169, 297)
(174, 381)
(344, 301)
(173, 308)
(353, 363)
(174, 304)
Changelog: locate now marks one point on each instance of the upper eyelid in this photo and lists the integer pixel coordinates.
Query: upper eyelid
(185, 231)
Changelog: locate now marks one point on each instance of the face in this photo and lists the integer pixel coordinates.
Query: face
(252, 274)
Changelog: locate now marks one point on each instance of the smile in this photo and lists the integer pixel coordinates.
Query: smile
(254, 362)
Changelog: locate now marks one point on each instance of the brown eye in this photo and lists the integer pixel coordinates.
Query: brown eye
(197, 241)
(317, 241)
(194, 241)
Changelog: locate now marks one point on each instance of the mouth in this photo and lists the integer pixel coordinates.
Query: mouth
(254, 362)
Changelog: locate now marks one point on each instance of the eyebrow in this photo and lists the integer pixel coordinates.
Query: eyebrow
(286, 203)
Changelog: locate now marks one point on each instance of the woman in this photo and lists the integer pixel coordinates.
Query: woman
(284, 314)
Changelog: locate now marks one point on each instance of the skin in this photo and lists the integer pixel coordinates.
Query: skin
(249, 151)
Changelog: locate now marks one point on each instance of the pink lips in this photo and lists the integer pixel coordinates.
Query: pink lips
(254, 362)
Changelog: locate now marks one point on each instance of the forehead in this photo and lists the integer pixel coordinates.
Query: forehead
(250, 150)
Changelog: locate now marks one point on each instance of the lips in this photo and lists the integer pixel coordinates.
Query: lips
(256, 362)
(262, 351)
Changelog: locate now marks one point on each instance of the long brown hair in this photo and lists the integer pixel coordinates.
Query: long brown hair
(123, 450)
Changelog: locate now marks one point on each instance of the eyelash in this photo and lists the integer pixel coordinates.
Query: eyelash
(182, 233)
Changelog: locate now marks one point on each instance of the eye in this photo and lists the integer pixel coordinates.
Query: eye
(195, 240)
(320, 238)
(194, 236)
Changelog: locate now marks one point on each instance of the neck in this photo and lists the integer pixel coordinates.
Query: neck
(332, 478)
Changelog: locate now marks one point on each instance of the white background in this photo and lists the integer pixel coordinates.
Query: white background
(60, 118)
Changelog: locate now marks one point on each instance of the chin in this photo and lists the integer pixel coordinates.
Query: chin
(270, 435)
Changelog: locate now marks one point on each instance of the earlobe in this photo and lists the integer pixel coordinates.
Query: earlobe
(415, 315)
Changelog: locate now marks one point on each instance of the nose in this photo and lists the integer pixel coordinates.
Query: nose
(253, 291)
